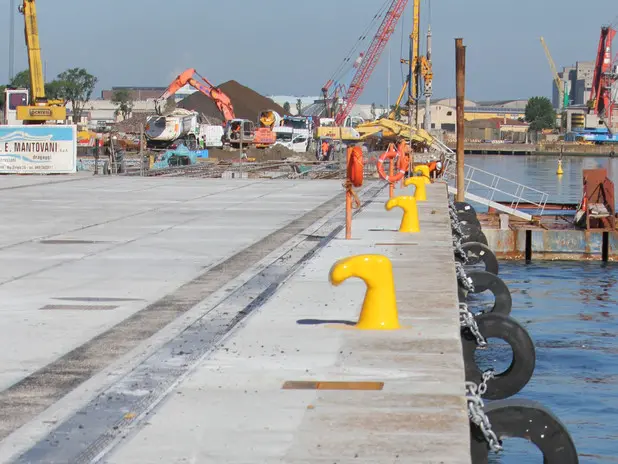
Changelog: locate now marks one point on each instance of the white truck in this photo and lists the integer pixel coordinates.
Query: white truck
(295, 133)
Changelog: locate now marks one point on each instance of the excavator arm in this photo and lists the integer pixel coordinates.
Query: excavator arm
(223, 102)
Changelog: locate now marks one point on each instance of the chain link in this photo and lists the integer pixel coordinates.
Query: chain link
(477, 415)
(468, 321)
(458, 250)
(463, 278)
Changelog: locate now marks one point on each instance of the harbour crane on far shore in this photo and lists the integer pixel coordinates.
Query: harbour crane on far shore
(563, 99)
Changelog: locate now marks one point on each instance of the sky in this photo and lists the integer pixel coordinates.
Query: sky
(290, 47)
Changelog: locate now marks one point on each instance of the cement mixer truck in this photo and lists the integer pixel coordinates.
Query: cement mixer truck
(264, 133)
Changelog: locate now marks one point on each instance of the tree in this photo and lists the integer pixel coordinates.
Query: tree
(540, 114)
(21, 79)
(77, 89)
(299, 106)
(286, 107)
(2, 89)
(123, 99)
(54, 90)
(373, 111)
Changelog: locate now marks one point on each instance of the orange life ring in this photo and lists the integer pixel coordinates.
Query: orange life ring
(391, 154)
(355, 166)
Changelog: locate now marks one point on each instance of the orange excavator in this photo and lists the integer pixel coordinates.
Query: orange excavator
(222, 101)
(237, 131)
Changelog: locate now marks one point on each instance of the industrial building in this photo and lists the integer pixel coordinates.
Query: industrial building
(578, 82)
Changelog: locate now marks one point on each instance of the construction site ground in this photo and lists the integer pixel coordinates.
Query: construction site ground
(155, 320)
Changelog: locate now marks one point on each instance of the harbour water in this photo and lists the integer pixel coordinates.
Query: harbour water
(571, 312)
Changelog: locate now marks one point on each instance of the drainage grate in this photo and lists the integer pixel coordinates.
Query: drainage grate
(79, 307)
(71, 242)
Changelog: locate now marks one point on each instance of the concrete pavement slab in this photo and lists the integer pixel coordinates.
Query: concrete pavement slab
(232, 408)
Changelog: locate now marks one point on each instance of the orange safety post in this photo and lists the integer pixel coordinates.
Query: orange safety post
(391, 185)
(354, 178)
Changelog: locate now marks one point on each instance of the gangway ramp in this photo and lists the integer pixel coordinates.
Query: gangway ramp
(489, 189)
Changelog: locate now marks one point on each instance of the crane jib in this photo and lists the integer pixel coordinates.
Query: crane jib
(371, 58)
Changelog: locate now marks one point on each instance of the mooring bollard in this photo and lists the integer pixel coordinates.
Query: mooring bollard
(420, 194)
(379, 311)
(423, 170)
(409, 221)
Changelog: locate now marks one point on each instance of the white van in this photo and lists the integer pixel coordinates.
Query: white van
(212, 135)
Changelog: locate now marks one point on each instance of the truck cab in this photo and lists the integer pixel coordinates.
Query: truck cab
(239, 131)
(14, 98)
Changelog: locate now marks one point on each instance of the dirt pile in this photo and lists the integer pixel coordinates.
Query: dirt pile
(132, 124)
(247, 102)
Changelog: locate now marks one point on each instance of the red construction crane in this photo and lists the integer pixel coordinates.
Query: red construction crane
(604, 77)
(370, 59)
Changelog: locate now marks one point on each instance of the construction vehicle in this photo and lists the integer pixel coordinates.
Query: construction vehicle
(179, 127)
(32, 107)
(562, 87)
(339, 99)
(264, 134)
(223, 102)
(602, 102)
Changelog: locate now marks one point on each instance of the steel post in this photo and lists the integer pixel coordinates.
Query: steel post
(460, 65)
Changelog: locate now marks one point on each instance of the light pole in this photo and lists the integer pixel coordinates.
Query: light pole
(11, 40)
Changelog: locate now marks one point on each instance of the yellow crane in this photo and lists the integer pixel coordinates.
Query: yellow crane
(40, 109)
(563, 98)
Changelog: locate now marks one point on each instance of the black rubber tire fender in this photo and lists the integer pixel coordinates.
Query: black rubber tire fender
(479, 252)
(473, 233)
(519, 418)
(463, 207)
(518, 374)
(483, 281)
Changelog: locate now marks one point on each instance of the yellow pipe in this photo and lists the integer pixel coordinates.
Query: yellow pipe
(379, 310)
(420, 193)
(409, 221)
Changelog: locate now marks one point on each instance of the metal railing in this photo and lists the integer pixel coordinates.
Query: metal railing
(492, 187)
(496, 188)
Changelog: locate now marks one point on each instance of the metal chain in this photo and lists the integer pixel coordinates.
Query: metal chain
(463, 278)
(458, 250)
(488, 375)
(477, 415)
(468, 321)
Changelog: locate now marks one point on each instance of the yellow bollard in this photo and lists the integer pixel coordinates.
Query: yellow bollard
(420, 194)
(423, 170)
(409, 221)
(379, 311)
(560, 170)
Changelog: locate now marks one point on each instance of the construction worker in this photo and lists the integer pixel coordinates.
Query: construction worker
(325, 148)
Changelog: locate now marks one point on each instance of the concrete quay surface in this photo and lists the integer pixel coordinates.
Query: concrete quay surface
(92, 267)
(205, 297)
(232, 409)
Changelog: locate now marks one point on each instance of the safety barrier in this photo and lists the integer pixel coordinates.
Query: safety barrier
(500, 418)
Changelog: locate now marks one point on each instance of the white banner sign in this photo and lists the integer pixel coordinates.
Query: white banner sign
(38, 149)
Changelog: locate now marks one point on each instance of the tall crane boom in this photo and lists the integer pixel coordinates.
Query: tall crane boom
(371, 58)
(604, 77)
(563, 98)
(40, 109)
